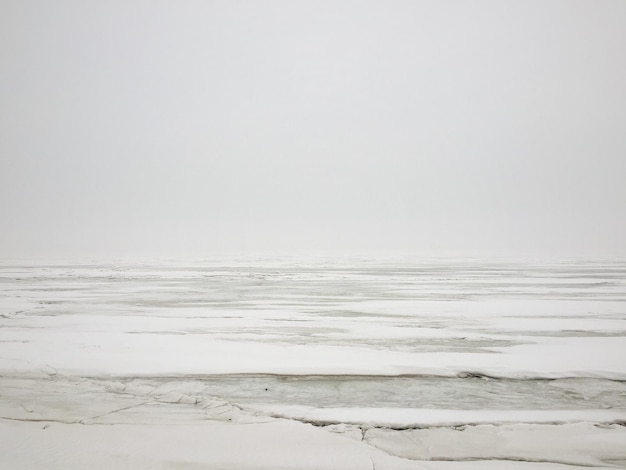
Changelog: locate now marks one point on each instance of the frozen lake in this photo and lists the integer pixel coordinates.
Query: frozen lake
(514, 361)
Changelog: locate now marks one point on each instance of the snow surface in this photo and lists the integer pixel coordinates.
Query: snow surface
(281, 362)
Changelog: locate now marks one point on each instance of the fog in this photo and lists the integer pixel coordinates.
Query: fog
(167, 128)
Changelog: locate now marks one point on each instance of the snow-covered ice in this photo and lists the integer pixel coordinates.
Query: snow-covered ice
(293, 362)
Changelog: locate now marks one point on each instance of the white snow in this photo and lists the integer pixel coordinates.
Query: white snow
(103, 363)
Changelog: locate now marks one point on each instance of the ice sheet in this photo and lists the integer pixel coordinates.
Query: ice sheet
(513, 351)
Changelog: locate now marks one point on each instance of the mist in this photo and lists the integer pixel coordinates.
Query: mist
(167, 128)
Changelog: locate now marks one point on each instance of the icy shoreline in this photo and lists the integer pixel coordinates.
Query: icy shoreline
(326, 363)
(103, 415)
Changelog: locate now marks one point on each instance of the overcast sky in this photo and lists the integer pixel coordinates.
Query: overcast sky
(171, 127)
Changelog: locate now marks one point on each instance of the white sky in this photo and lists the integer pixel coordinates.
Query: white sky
(181, 127)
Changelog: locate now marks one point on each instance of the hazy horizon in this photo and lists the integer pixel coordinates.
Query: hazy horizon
(190, 128)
